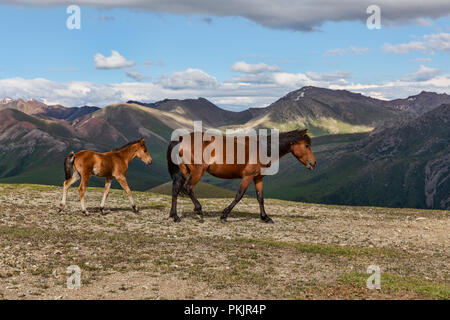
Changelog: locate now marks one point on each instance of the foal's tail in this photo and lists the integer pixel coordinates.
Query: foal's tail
(68, 163)
(174, 169)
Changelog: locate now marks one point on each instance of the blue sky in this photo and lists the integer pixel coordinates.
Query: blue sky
(190, 55)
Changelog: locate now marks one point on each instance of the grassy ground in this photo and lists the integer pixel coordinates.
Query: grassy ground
(202, 190)
(311, 252)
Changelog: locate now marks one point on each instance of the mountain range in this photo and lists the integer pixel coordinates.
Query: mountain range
(369, 151)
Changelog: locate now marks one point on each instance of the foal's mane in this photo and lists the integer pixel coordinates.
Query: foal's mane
(126, 145)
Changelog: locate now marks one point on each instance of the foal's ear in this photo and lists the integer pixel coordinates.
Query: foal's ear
(303, 132)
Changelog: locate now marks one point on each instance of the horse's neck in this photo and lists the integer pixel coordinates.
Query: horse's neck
(128, 154)
(283, 149)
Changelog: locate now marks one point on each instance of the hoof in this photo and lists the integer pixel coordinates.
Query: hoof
(223, 219)
(85, 213)
(266, 219)
(135, 209)
(102, 211)
(176, 219)
(61, 207)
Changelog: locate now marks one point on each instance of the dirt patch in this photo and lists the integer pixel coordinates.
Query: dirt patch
(311, 252)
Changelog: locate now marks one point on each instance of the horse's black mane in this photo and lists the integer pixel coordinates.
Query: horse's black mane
(287, 138)
(126, 145)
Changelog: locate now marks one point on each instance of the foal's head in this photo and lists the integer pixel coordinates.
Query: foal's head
(301, 149)
(142, 152)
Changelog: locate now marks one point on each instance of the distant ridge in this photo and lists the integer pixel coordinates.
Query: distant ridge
(203, 109)
(420, 103)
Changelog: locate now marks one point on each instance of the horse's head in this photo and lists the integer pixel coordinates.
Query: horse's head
(301, 149)
(142, 152)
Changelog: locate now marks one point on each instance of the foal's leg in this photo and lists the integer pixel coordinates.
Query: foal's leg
(177, 184)
(81, 191)
(242, 188)
(123, 183)
(259, 195)
(105, 195)
(66, 187)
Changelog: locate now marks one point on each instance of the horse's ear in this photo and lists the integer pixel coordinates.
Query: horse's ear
(304, 132)
(141, 140)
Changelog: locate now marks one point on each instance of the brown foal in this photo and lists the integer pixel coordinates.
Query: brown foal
(109, 165)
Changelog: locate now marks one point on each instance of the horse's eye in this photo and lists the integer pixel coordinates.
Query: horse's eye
(307, 146)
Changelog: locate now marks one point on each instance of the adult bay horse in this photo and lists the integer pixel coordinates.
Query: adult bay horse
(186, 175)
(109, 165)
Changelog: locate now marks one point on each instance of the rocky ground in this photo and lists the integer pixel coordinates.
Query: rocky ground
(311, 252)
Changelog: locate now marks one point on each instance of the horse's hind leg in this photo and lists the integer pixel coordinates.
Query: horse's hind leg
(105, 195)
(126, 188)
(81, 191)
(197, 205)
(195, 178)
(242, 188)
(259, 195)
(177, 184)
(66, 186)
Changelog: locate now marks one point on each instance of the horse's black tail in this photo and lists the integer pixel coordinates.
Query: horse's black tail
(174, 169)
(68, 163)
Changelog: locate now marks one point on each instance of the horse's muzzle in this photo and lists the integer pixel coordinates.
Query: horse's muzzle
(311, 165)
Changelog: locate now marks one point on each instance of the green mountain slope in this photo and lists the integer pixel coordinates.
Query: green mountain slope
(33, 149)
(325, 111)
(404, 166)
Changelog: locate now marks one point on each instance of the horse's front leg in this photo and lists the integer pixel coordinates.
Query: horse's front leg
(123, 183)
(245, 182)
(259, 195)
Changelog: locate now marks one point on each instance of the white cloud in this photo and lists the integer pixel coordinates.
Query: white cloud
(328, 76)
(115, 61)
(422, 60)
(429, 44)
(343, 51)
(193, 83)
(263, 77)
(305, 15)
(335, 52)
(358, 51)
(401, 88)
(423, 74)
(245, 67)
(135, 75)
(291, 80)
(191, 78)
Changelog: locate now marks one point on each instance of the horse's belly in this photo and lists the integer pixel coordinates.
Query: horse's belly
(225, 171)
